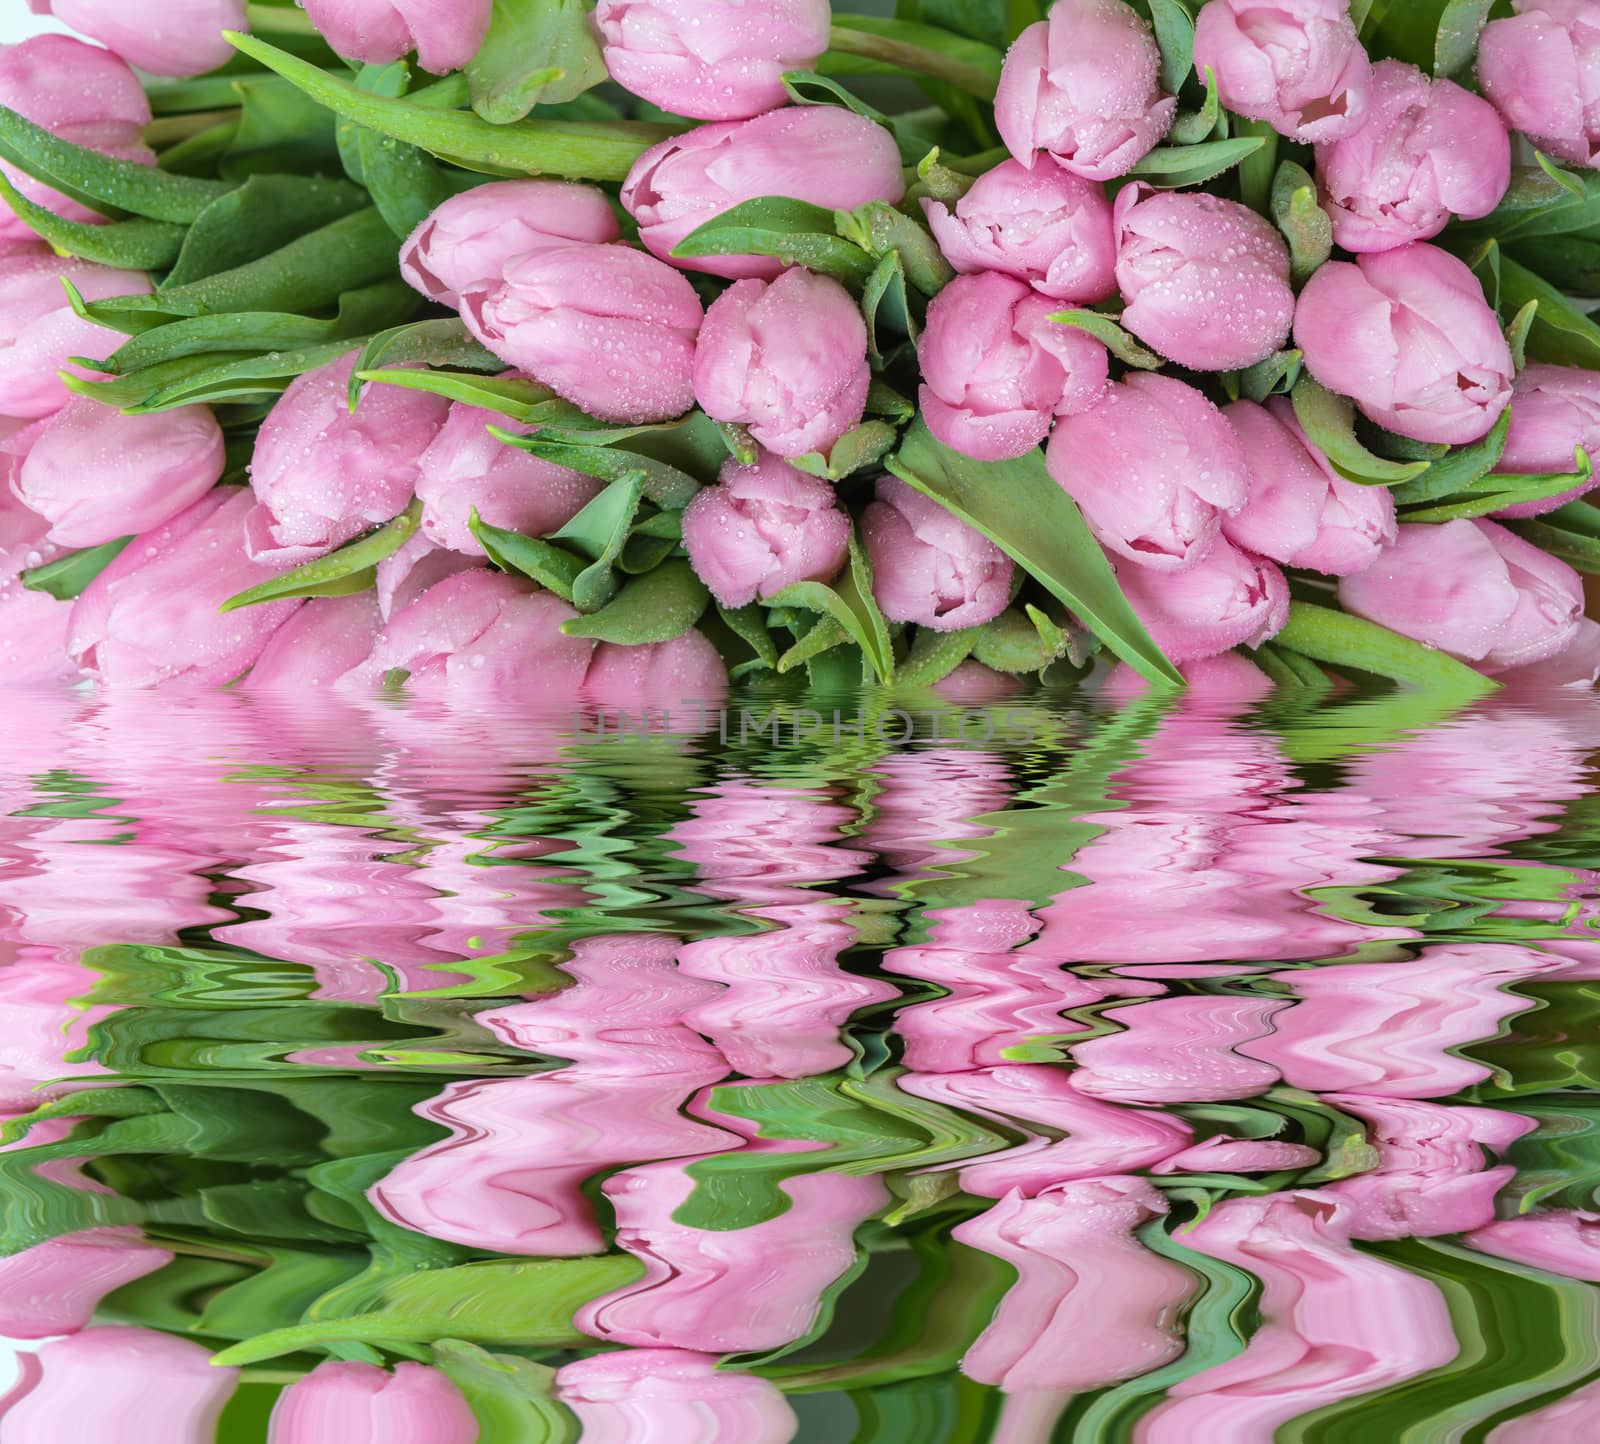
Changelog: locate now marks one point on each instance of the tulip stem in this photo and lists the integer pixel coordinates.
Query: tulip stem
(972, 76)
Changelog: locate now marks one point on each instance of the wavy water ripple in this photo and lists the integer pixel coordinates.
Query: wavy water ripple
(1140, 1069)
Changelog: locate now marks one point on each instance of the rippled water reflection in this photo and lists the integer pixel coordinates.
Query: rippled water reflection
(1132, 1068)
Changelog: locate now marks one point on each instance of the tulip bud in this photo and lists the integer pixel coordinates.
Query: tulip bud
(1560, 1241)
(151, 616)
(469, 240)
(1554, 411)
(366, 1404)
(326, 638)
(929, 567)
(824, 154)
(1427, 150)
(54, 1287)
(1473, 589)
(763, 528)
(1228, 599)
(465, 468)
(711, 59)
(323, 474)
(1408, 336)
(1206, 280)
(480, 633)
(1301, 512)
(1578, 665)
(81, 93)
(1043, 225)
(117, 1382)
(446, 34)
(787, 358)
(1297, 66)
(687, 669)
(1541, 68)
(609, 328)
(1154, 466)
(997, 370)
(170, 37)
(1085, 86)
(671, 1396)
(96, 474)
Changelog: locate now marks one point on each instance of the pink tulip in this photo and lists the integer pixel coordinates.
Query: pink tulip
(1101, 1138)
(1562, 1241)
(326, 638)
(115, 1382)
(1577, 665)
(1295, 64)
(38, 330)
(1336, 1323)
(508, 1178)
(973, 682)
(997, 370)
(151, 616)
(365, 1404)
(1085, 86)
(681, 675)
(1227, 681)
(1427, 150)
(1206, 280)
(1555, 410)
(1222, 1154)
(33, 625)
(715, 1290)
(322, 474)
(1301, 512)
(1473, 589)
(96, 474)
(763, 528)
(1230, 599)
(465, 468)
(1539, 68)
(1155, 467)
(1044, 225)
(479, 633)
(928, 566)
(711, 59)
(1431, 1177)
(404, 575)
(1408, 336)
(1091, 1305)
(55, 1286)
(672, 1396)
(1570, 1417)
(81, 93)
(176, 37)
(469, 240)
(445, 34)
(1391, 1030)
(787, 358)
(823, 154)
(609, 328)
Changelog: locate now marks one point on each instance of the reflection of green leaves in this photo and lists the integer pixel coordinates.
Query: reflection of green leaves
(350, 569)
(1019, 506)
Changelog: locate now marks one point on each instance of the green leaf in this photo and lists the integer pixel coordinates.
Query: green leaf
(554, 569)
(212, 378)
(579, 150)
(1019, 506)
(1567, 533)
(1560, 333)
(1539, 205)
(1305, 225)
(881, 230)
(861, 446)
(1175, 37)
(66, 577)
(537, 52)
(1192, 127)
(935, 655)
(600, 531)
(656, 607)
(1517, 333)
(1110, 335)
(664, 484)
(885, 294)
(1456, 41)
(1458, 469)
(794, 232)
(1018, 641)
(849, 603)
(524, 401)
(1171, 166)
(1275, 376)
(521, 1302)
(279, 129)
(1571, 184)
(901, 45)
(1328, 420)
(749, 624)
(1341, 640)
(1500, 490)
(512, 1398)
(339, 573)
(102, 182)
(136, 245)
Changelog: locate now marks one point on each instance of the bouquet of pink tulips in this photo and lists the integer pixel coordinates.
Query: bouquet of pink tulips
(608, 352)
